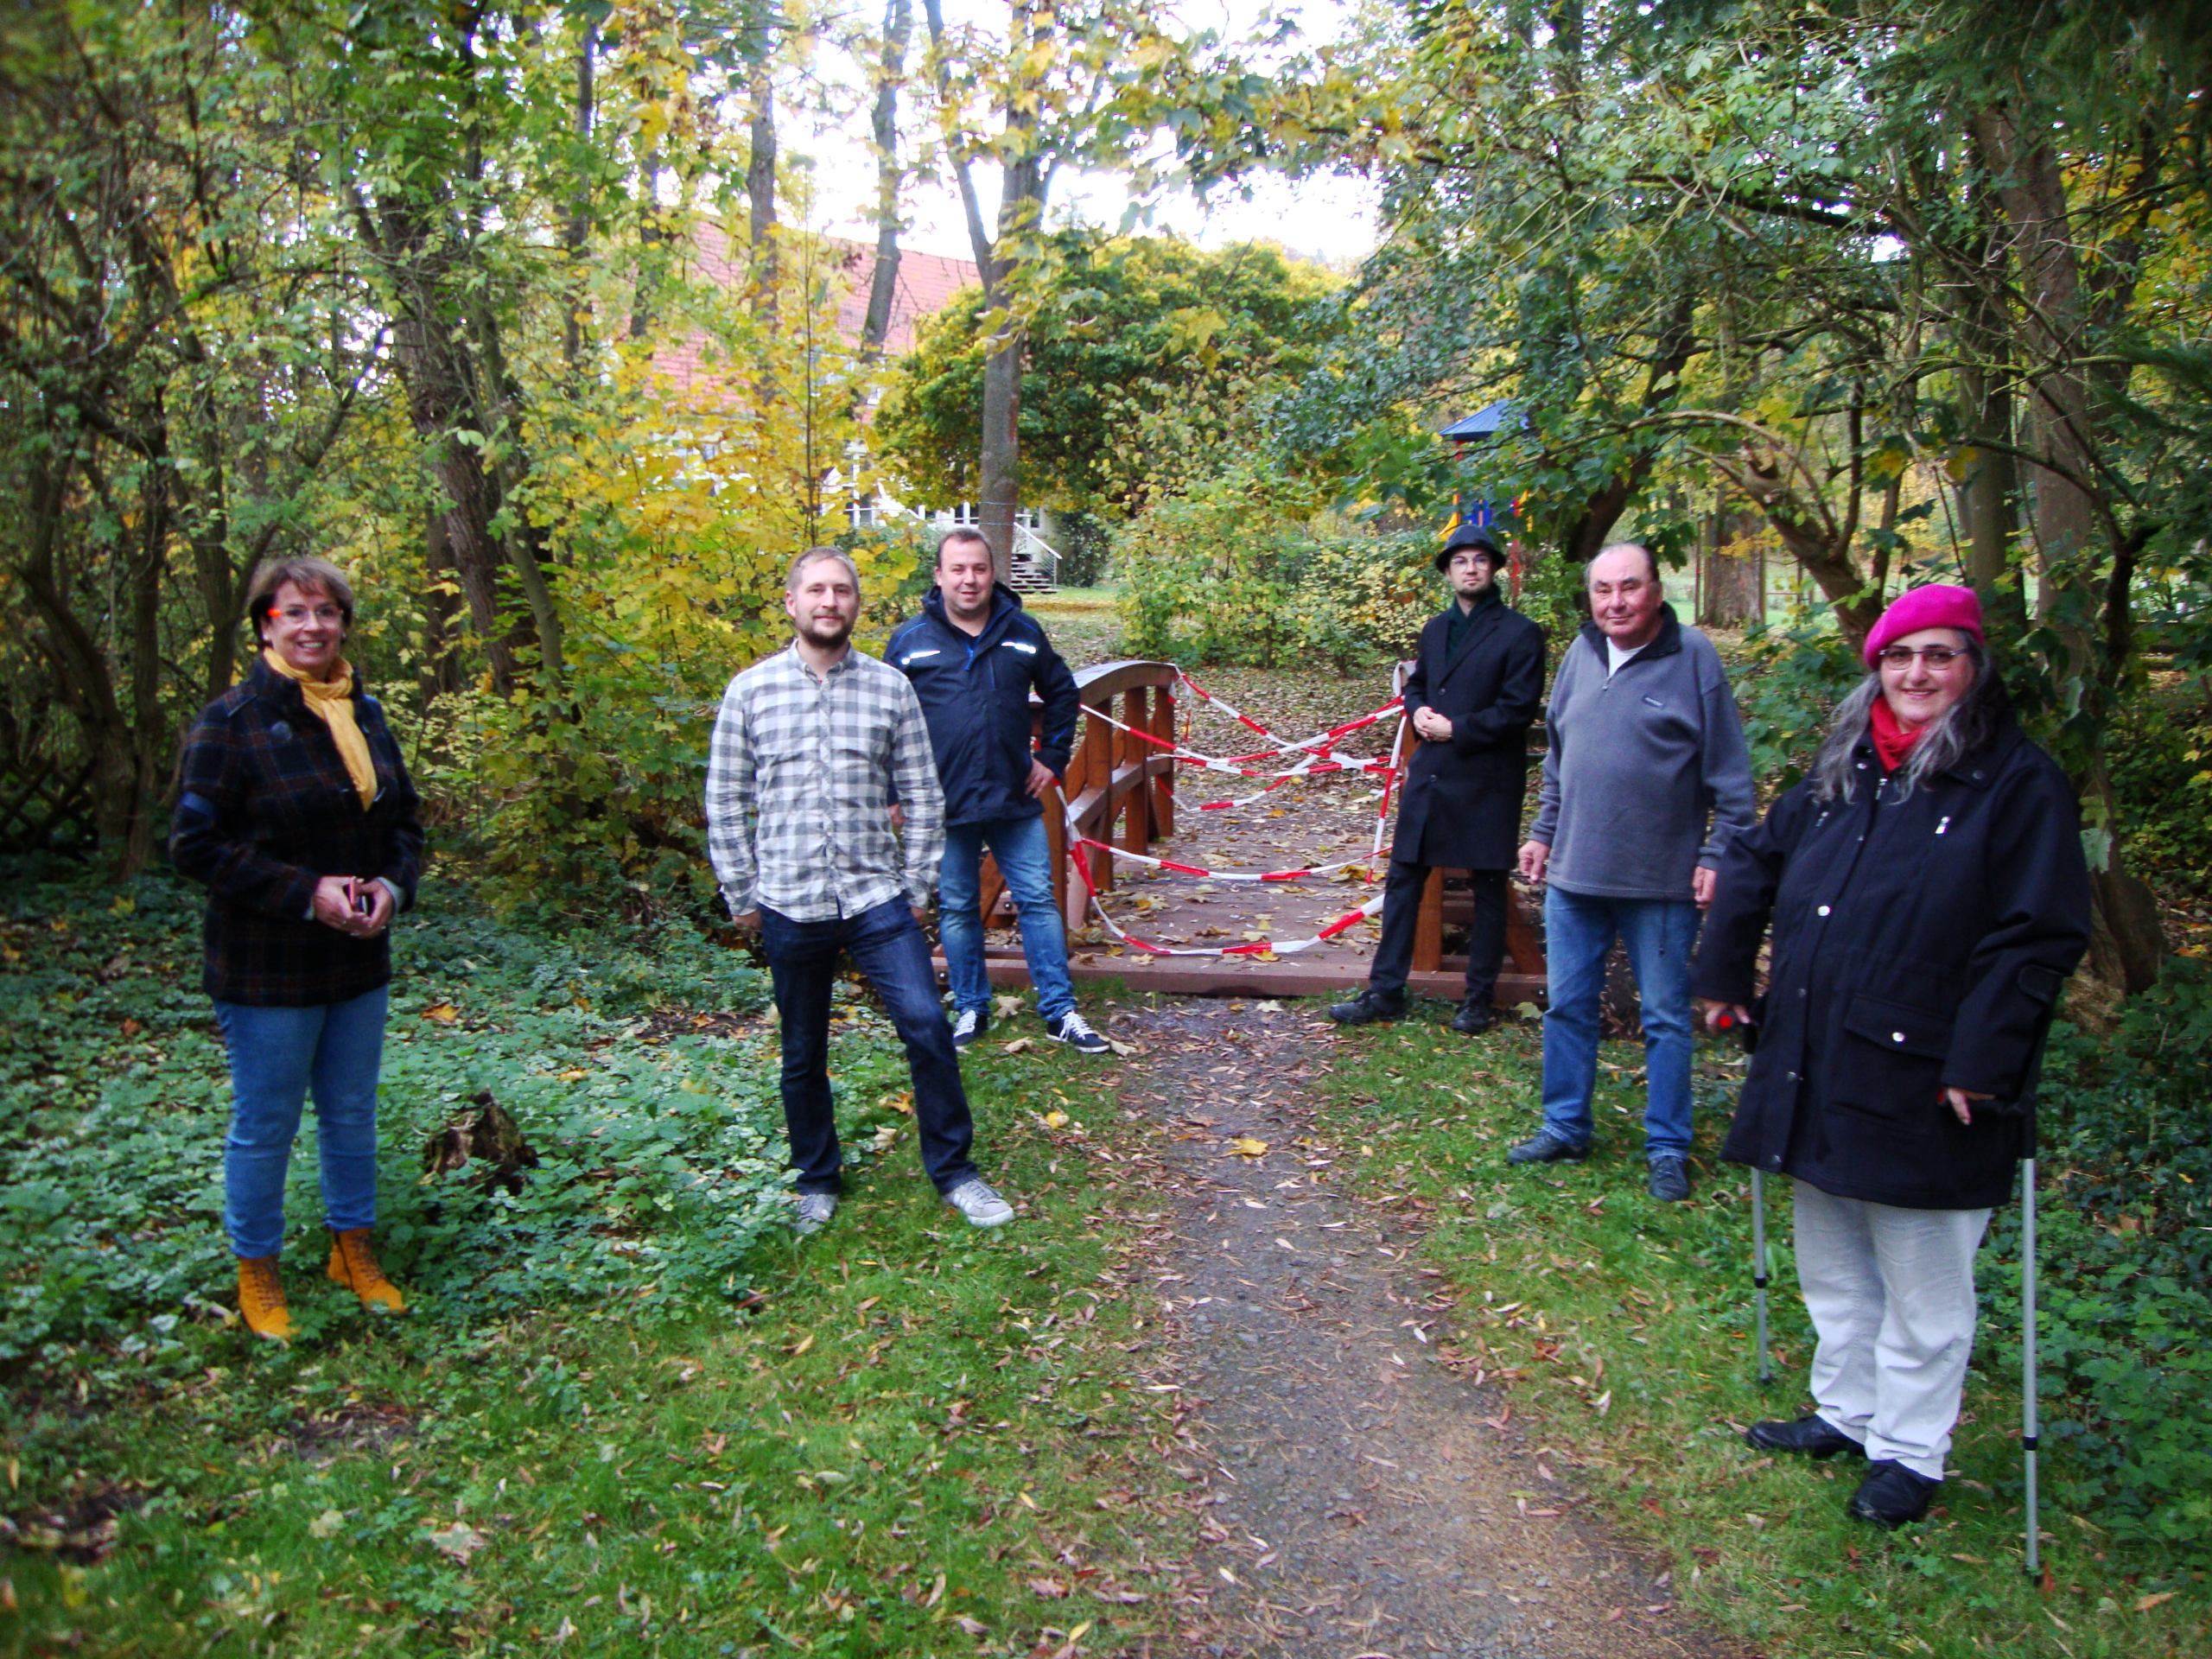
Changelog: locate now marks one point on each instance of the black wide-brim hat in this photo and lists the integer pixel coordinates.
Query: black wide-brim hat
(1469, 536)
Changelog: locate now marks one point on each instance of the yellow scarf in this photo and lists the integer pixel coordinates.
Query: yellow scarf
(333, 699)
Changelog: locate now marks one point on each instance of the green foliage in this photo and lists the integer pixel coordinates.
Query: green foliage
(658, 1144)
(2126, 1268)
(1085, 543)
(2160, 756)
(1231, 574)
(1790, 677)
(1117, 329)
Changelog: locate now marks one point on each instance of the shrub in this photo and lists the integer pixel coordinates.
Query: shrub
(2126, 1260)
(1231, 574)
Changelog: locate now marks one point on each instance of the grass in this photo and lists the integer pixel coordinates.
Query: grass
(1623, 1328)
(902, 1436)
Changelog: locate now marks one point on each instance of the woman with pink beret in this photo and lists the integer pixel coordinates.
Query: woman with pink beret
(1928, 897)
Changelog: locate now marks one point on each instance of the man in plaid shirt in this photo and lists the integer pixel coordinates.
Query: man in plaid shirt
(808, 750)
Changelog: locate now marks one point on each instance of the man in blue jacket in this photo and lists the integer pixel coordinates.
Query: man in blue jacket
(973, 655)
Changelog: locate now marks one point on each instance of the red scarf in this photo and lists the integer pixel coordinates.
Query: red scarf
(1892, 742)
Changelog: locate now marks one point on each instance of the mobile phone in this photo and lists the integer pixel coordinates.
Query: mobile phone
(364, 900)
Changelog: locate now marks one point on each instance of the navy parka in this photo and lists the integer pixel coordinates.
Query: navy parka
(974, 694)
(1919, 943)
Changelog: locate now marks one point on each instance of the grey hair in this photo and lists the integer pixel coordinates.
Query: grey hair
(1958, 732)
(799, 565)
(1651, 560)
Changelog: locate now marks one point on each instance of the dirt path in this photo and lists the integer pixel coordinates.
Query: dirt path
(1363, 1498)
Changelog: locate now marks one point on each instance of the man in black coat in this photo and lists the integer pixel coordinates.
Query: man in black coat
(1476, 684)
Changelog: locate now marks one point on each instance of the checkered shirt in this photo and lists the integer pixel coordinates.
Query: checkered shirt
(800, 780)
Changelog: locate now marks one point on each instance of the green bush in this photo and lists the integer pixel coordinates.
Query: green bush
(658, 1143)
(2125, 1262)
(1232, 574)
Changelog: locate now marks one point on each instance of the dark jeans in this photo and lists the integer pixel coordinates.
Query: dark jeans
(886, 944)
(1393, 956)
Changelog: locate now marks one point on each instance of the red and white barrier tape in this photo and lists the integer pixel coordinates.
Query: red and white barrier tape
(1077, 841)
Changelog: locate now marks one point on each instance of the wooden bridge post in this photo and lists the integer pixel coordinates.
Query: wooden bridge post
(1163, 782)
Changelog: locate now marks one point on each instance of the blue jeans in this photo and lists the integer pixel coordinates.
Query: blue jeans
(886, 944)
(277, 1055)
(1024, 854)
(1660, 935)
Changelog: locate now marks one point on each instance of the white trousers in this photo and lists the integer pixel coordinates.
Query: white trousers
(1890, 1293)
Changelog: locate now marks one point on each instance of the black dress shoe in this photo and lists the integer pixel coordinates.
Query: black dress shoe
(1892, 1495)
(1545, 1147)
(1813, 1437)
(1370, 1007)
(1670, 1178)
(1474, 1017)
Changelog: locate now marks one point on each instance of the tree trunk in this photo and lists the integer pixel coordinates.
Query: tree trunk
(2033, 191)
(883, 282)
(577, 234)
(761, 179)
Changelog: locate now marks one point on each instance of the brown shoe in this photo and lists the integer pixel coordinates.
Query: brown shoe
(353, 1265)
(261, 1299)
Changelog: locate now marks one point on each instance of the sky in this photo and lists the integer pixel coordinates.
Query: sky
(1329, 219)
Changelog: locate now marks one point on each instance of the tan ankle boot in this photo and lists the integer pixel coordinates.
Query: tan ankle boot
(353, 1265)
(261, 1300)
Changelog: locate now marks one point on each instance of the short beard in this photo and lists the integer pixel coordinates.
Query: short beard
(810, 629)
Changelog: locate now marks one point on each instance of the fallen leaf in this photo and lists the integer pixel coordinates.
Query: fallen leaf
(574, 1074)
(459, 1541)
(444, 1013)
(2145, 1603)
(1022, 1045)
(1245, 1147)
(1056, 1119)
(1006, 1007)
(325, 1524)
(973, 1626)
(1049, 1587)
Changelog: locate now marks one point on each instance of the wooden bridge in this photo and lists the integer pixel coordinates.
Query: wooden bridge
(1122, 791)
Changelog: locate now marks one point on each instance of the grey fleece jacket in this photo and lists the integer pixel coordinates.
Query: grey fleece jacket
(1637, 768)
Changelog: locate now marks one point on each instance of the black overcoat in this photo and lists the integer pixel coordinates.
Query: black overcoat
(1919, 943)
(1461, 805)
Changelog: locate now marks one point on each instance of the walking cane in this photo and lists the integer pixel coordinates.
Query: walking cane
(1747, 1032)
(2028, 1421)
(1758, 1268)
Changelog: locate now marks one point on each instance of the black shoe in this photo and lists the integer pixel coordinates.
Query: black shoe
(1670, 1178)
(1474, 1017)
(1370, 1007)
(1892, 1495)
(1545, 1147)
(1813, 1437)
(968, 1025)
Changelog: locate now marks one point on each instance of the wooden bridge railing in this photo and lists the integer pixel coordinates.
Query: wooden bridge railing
(1122, 791)
(1122, 788)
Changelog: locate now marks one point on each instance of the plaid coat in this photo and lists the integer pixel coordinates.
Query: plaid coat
(267, 810)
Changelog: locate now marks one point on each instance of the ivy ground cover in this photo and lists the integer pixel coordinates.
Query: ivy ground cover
(630, 1413)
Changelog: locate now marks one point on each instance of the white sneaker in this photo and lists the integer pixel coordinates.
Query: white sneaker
(967, 1026)
(1075, 1031)
(976, 1200)
(815, 1210)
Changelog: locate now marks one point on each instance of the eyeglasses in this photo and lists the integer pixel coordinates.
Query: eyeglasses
(297, 614)
(1902, 656)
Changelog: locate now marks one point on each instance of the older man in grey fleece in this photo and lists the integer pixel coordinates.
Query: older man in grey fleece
(1645, 778)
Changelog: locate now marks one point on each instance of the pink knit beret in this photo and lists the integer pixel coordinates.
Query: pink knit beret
(1940, 604)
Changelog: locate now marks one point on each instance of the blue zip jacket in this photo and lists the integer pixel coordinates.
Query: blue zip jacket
(974, 694)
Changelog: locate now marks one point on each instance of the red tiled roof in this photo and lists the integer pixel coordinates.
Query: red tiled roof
(925, 285)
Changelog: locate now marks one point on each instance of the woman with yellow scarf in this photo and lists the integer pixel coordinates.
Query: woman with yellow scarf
(297, 815)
